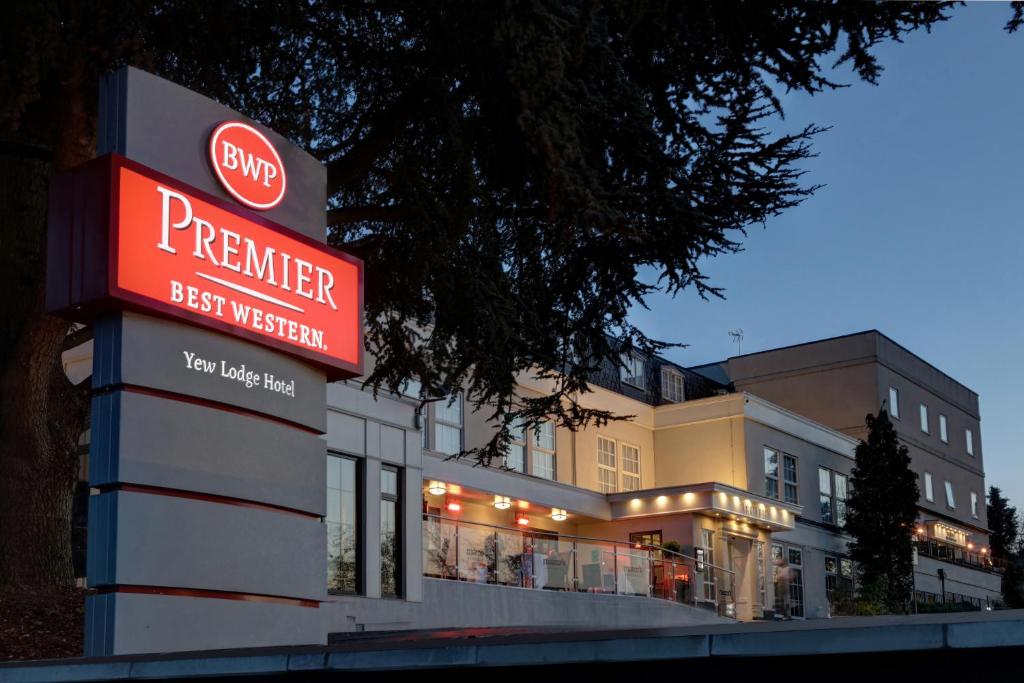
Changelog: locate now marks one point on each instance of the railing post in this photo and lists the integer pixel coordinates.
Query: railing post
(615, 568)
(493, 578)
(458, 573)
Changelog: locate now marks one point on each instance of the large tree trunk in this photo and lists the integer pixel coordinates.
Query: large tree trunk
(42, 416)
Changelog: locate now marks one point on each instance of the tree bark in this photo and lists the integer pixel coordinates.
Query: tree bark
(42, 415)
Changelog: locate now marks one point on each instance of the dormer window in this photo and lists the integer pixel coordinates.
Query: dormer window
(672, 385)
(632, 371)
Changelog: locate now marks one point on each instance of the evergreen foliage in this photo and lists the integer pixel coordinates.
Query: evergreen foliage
(1004, 541)
(881, 516)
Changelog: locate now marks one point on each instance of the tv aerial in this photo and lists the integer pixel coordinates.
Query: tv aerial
(737, 336)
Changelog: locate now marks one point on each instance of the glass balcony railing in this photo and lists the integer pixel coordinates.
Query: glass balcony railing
(484, 553)
(948, 552)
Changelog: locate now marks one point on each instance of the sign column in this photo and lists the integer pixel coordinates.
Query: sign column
(196, 251)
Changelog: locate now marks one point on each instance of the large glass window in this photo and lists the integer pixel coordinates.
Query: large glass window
(894, 402)
(969, 437)
(390, 532)
(950, 500)
(929, 488)
(943, 429)
(974, 504)
(630, 467)
(342, 524)
(671, 385)
(924, 419)
(544, 450)
(771, 473)
(515, 455)
(607, 472)
(448, 425)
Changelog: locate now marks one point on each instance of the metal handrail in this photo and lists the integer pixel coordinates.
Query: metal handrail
(586, 539)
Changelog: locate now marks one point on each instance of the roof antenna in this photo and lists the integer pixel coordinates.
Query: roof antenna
(737, 336)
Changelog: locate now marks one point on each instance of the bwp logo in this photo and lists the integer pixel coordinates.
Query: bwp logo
(247, 165)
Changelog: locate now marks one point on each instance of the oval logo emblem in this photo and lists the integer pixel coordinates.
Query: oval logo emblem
(247, 165)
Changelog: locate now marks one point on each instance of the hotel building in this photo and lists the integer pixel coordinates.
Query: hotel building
(723, 496)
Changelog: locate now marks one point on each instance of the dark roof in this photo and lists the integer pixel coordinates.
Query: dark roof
(695, 385)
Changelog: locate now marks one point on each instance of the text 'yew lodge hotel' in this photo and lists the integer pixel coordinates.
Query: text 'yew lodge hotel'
(724, 497)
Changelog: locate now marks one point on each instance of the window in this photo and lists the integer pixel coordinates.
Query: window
(390, 532)
(969, 436)
(630, 467)
(342, 524)
(771, 473)
(787, 575)
(943, 429)
(929, 490)
(448, 425)
(894, 403)
(708, 544)
(950, 500)
(924, 418)
(831, 576)
(838, 578)
(671, 385)
(825, 494)
(974, 504)
(832, 495)
(606, 468)
(515, 453)
(412, 388)
(632, 370)
(840, 501)
(796, 583)
(762, 579)
(639, 539)
(544, 450)
(789, 478)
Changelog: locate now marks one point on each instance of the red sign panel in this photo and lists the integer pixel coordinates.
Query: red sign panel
(247, 165)
(180, 252)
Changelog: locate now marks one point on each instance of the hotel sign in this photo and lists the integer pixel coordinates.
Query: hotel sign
(176, 251)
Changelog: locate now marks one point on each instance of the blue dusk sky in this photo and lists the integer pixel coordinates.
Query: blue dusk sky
(917, 232)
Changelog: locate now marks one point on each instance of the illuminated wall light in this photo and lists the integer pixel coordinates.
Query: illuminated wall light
(635, 503)
(661, 500)
(970, 546)
(522, 519)
(558, 514)
(502, 502)
(688, 498)
(523, 505)
(723, 498)
(455, 488)
(437, 488)
(453, 505)
(736, 502)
